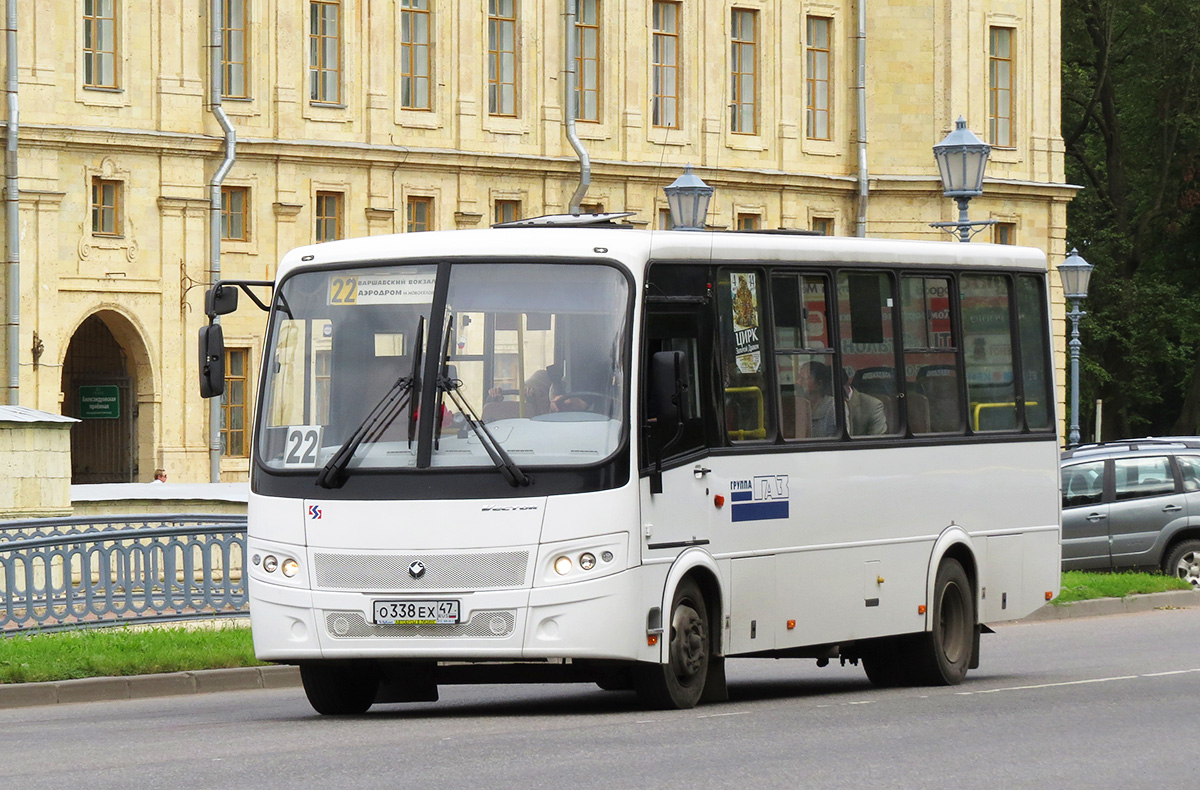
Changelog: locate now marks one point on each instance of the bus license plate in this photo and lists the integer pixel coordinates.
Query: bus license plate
(415, 612)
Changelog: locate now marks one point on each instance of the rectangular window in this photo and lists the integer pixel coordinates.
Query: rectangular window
(816, 78)
(930, 356)
(664, 219)
(233, 403)
(987, 347)
(746, 414)
(1000, 87)
(414, 55)
(100, 43)
(748, 221)
(233, 213)
(1035, 356)
(804, 356)
(867, 343)
(665, 66)
(823, 225)
(325, 51)
(329, 216)
(502, 57)
(587, 61)
(507, 211)
(742, 71)
(1004, 233)
(106, 207)
(234, 26)
(418, 213)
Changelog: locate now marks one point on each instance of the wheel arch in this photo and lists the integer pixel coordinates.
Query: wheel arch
(700, 566)
(954, 543)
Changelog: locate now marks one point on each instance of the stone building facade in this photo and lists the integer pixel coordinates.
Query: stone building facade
(357, 117)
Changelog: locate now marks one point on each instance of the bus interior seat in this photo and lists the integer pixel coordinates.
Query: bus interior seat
(880, 382)
(918, 411)
(939, 383)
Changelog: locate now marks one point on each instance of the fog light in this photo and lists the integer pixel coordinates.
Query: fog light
(606, 556)
(562, 566)
(290, 567)
(587, 560)
(270, 563)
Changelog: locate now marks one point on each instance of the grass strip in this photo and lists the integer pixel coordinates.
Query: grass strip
(107, 652)
(1087, 585)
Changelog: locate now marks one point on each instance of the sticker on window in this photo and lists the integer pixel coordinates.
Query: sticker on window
(747, 351)
(390, 289)
(300, 448)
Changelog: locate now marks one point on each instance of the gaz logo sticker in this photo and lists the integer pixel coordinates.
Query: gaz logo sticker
(314, 512)
(760, 498)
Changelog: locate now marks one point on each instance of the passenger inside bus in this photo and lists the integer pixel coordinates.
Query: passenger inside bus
(864, 412)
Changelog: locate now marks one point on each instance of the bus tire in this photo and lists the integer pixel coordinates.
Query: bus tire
(679, 683)
(339, 689)
(941, 656)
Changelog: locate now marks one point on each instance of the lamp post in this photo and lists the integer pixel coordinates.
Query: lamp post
(961, 158)
(688, 198)
(1075, 273)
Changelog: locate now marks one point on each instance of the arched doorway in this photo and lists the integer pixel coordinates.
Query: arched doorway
(99, 386)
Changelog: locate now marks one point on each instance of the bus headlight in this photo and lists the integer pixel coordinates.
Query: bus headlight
(582, 559)
(270, 563)
(290, 567)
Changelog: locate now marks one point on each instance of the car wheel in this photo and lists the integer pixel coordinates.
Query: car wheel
(679, 683)
(941, 656)
(1184, 562)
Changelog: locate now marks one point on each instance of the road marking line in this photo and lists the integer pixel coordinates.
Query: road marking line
(718, 715)
(1049, 685)
(1176, 672)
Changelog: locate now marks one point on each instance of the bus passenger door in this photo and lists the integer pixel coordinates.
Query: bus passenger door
(676, 496)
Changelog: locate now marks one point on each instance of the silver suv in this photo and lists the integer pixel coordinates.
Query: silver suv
(1133, 504)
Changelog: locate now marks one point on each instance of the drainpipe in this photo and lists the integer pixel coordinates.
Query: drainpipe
(12, 216)
(860, 88)
(214, 213)
(585, 163)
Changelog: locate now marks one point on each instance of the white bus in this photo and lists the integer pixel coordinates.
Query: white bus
(594, 453)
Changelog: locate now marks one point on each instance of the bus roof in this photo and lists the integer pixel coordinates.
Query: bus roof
(634, 247)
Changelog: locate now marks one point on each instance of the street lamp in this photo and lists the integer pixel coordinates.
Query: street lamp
(961, 158)
(688, 198)
(1075, 273)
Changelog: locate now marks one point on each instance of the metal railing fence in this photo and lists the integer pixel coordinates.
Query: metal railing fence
(82, 572)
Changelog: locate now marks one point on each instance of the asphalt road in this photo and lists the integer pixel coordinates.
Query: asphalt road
(1106, 702)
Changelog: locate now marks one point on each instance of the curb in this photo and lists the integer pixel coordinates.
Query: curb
(22, 695)
(1175, 599)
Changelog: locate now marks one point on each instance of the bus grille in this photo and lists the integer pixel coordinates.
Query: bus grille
(380, 572)
(352, 625)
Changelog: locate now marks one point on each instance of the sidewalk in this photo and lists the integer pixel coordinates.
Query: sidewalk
(20, 695)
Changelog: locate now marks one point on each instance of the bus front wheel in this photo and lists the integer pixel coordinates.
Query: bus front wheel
(679, 683)
(339, 689)
(941, 656)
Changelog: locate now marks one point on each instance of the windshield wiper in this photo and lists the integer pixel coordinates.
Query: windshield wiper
(447, 385)
(393, 402)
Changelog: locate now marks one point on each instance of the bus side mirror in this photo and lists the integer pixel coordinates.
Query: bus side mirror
(212, 361)
(668, 380)
(220, 300)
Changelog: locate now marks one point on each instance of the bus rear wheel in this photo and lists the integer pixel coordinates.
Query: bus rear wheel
(339, 689)
(679, 683)
(941, 656)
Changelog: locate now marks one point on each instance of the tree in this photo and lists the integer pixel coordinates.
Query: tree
(1131, 126)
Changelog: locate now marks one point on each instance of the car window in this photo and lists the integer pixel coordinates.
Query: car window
(1189, 467)
(1143, 477)
(1083, 484)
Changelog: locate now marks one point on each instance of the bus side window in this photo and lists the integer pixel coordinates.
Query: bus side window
(743, 376)
(930, 356)
(987, 344)
(865, 319)
(1031, 322)
(804, 358)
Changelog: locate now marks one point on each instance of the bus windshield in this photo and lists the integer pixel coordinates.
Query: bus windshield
(536, 352)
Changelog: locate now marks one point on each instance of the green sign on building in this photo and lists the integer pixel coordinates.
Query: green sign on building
(99, 402)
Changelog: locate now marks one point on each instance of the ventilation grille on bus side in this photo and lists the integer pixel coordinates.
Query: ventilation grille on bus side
(382, 572)
(352, 625)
